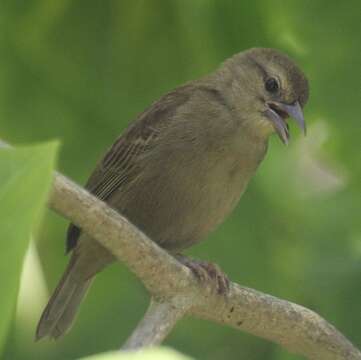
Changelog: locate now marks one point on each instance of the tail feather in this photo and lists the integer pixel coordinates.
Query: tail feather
(62, 307)
(65, 321)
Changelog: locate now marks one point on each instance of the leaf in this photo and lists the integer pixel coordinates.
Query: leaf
(25, 179)
(159, 353)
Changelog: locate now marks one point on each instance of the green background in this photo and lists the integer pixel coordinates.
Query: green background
(79, 71)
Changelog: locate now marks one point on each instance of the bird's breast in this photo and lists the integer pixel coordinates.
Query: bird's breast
(178, 201)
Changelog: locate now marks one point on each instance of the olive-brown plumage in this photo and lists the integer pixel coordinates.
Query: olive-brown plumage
(182, 165)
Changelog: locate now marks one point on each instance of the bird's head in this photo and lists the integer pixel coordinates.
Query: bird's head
(273, 88)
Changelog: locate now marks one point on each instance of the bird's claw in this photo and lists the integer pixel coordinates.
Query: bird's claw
(207, 273)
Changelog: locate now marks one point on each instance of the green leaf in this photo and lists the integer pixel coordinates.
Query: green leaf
(25, 179)
(149, 354)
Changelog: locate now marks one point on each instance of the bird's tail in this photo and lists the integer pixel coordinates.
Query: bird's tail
(62, 307)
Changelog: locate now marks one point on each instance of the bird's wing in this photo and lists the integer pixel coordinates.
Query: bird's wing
(119, 165)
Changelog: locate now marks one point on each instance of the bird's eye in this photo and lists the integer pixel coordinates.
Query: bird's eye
(272, 85)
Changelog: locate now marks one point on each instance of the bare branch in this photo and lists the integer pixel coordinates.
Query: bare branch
(157, 322)
(294, 327)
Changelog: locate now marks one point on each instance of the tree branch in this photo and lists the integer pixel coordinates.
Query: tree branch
(156, 324)
(178, 292)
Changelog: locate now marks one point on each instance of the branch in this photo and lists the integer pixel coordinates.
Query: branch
(178, 292)
(156, 324)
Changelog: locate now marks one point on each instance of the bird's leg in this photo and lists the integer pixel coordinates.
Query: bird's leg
(207, 273)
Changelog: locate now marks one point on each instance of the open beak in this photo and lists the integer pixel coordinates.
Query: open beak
(278, 112)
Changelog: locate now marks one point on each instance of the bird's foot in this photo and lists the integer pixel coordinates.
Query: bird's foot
(207, 273)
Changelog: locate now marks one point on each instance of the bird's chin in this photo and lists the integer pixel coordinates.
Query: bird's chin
(278, 112)
(278, 120)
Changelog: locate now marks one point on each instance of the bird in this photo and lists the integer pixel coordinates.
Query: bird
(182, 165)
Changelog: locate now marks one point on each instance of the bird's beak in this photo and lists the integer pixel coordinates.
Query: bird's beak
(277, 112)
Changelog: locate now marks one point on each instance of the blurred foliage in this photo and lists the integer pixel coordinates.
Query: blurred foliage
(79, 71)
(26, 175)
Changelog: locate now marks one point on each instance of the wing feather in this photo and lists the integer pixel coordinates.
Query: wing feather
(119, 165)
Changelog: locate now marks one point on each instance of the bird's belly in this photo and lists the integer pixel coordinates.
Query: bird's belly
(179, 208)
(210, 210)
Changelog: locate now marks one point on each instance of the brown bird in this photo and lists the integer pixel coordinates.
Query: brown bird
(180, 168)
